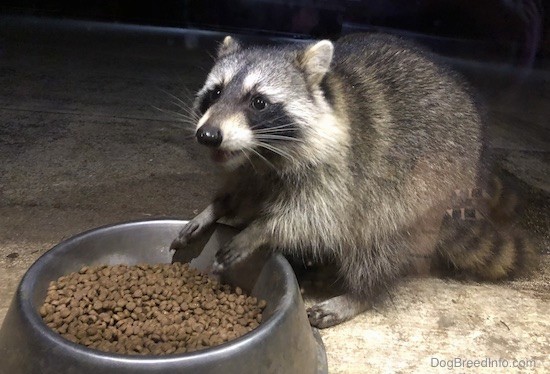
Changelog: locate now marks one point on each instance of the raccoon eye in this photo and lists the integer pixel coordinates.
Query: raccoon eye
(210, 98)
(258, 103)
(215, 94)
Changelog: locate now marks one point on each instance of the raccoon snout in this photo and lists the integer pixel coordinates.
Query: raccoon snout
(209, 135)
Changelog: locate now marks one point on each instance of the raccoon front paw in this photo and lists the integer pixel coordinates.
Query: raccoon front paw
(187, 233)
(226, 257)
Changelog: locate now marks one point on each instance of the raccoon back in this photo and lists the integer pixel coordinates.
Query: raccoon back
(415, 131)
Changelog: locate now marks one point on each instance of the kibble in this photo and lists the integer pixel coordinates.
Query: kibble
(148, 309)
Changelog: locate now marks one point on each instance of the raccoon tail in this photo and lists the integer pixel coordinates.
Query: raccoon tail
(500, 205)
(479, 240)
(482, 252)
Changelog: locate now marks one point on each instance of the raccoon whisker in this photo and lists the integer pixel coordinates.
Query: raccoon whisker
(211, 55)
(278, 137)
(276, 150)
(272, 120)
(249, 160)
(186, 104)
(179, 105)
(283, 126)
(178, 114)
(270, 131)
(263, 158)
(188, 93)
(278, 132)
(169, 111)
(190, 125)
(187, 112)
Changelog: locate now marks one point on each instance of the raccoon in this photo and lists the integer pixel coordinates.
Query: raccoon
(345, 151)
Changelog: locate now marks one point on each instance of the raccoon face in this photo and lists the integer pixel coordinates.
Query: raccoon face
(262, 104)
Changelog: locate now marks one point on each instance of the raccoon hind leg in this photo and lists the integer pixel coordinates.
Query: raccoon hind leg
(366, 275)
(336, 310)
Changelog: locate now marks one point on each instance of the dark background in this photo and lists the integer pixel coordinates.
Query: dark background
(93, 131)
(514, 31)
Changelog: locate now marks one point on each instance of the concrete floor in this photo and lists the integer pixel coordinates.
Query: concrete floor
(81, 145)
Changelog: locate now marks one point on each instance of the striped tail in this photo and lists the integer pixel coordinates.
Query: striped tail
(479, 240)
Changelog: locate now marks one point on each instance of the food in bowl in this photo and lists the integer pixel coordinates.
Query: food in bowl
(148, 309)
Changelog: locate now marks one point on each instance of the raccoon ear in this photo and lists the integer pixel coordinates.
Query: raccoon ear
(315, 60)
(228, 46)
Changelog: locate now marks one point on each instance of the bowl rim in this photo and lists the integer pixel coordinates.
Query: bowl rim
(29, 282)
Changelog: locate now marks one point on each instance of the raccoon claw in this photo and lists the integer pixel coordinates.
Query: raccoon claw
(187, 233)
(217, 268)
(226, 257)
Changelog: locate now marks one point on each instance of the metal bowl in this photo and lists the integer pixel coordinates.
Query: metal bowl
(283, 343)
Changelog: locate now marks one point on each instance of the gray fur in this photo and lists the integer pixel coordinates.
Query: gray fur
(387, 135)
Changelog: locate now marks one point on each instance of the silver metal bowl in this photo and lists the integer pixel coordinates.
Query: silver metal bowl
(283, 343)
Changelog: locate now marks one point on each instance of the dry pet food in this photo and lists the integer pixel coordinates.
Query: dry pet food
(148, 309)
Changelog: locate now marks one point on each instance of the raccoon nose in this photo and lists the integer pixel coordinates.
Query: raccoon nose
(209, 135)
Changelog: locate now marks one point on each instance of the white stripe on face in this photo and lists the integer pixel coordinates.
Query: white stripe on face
(236, 134)
(251, 81)
(203, 119)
